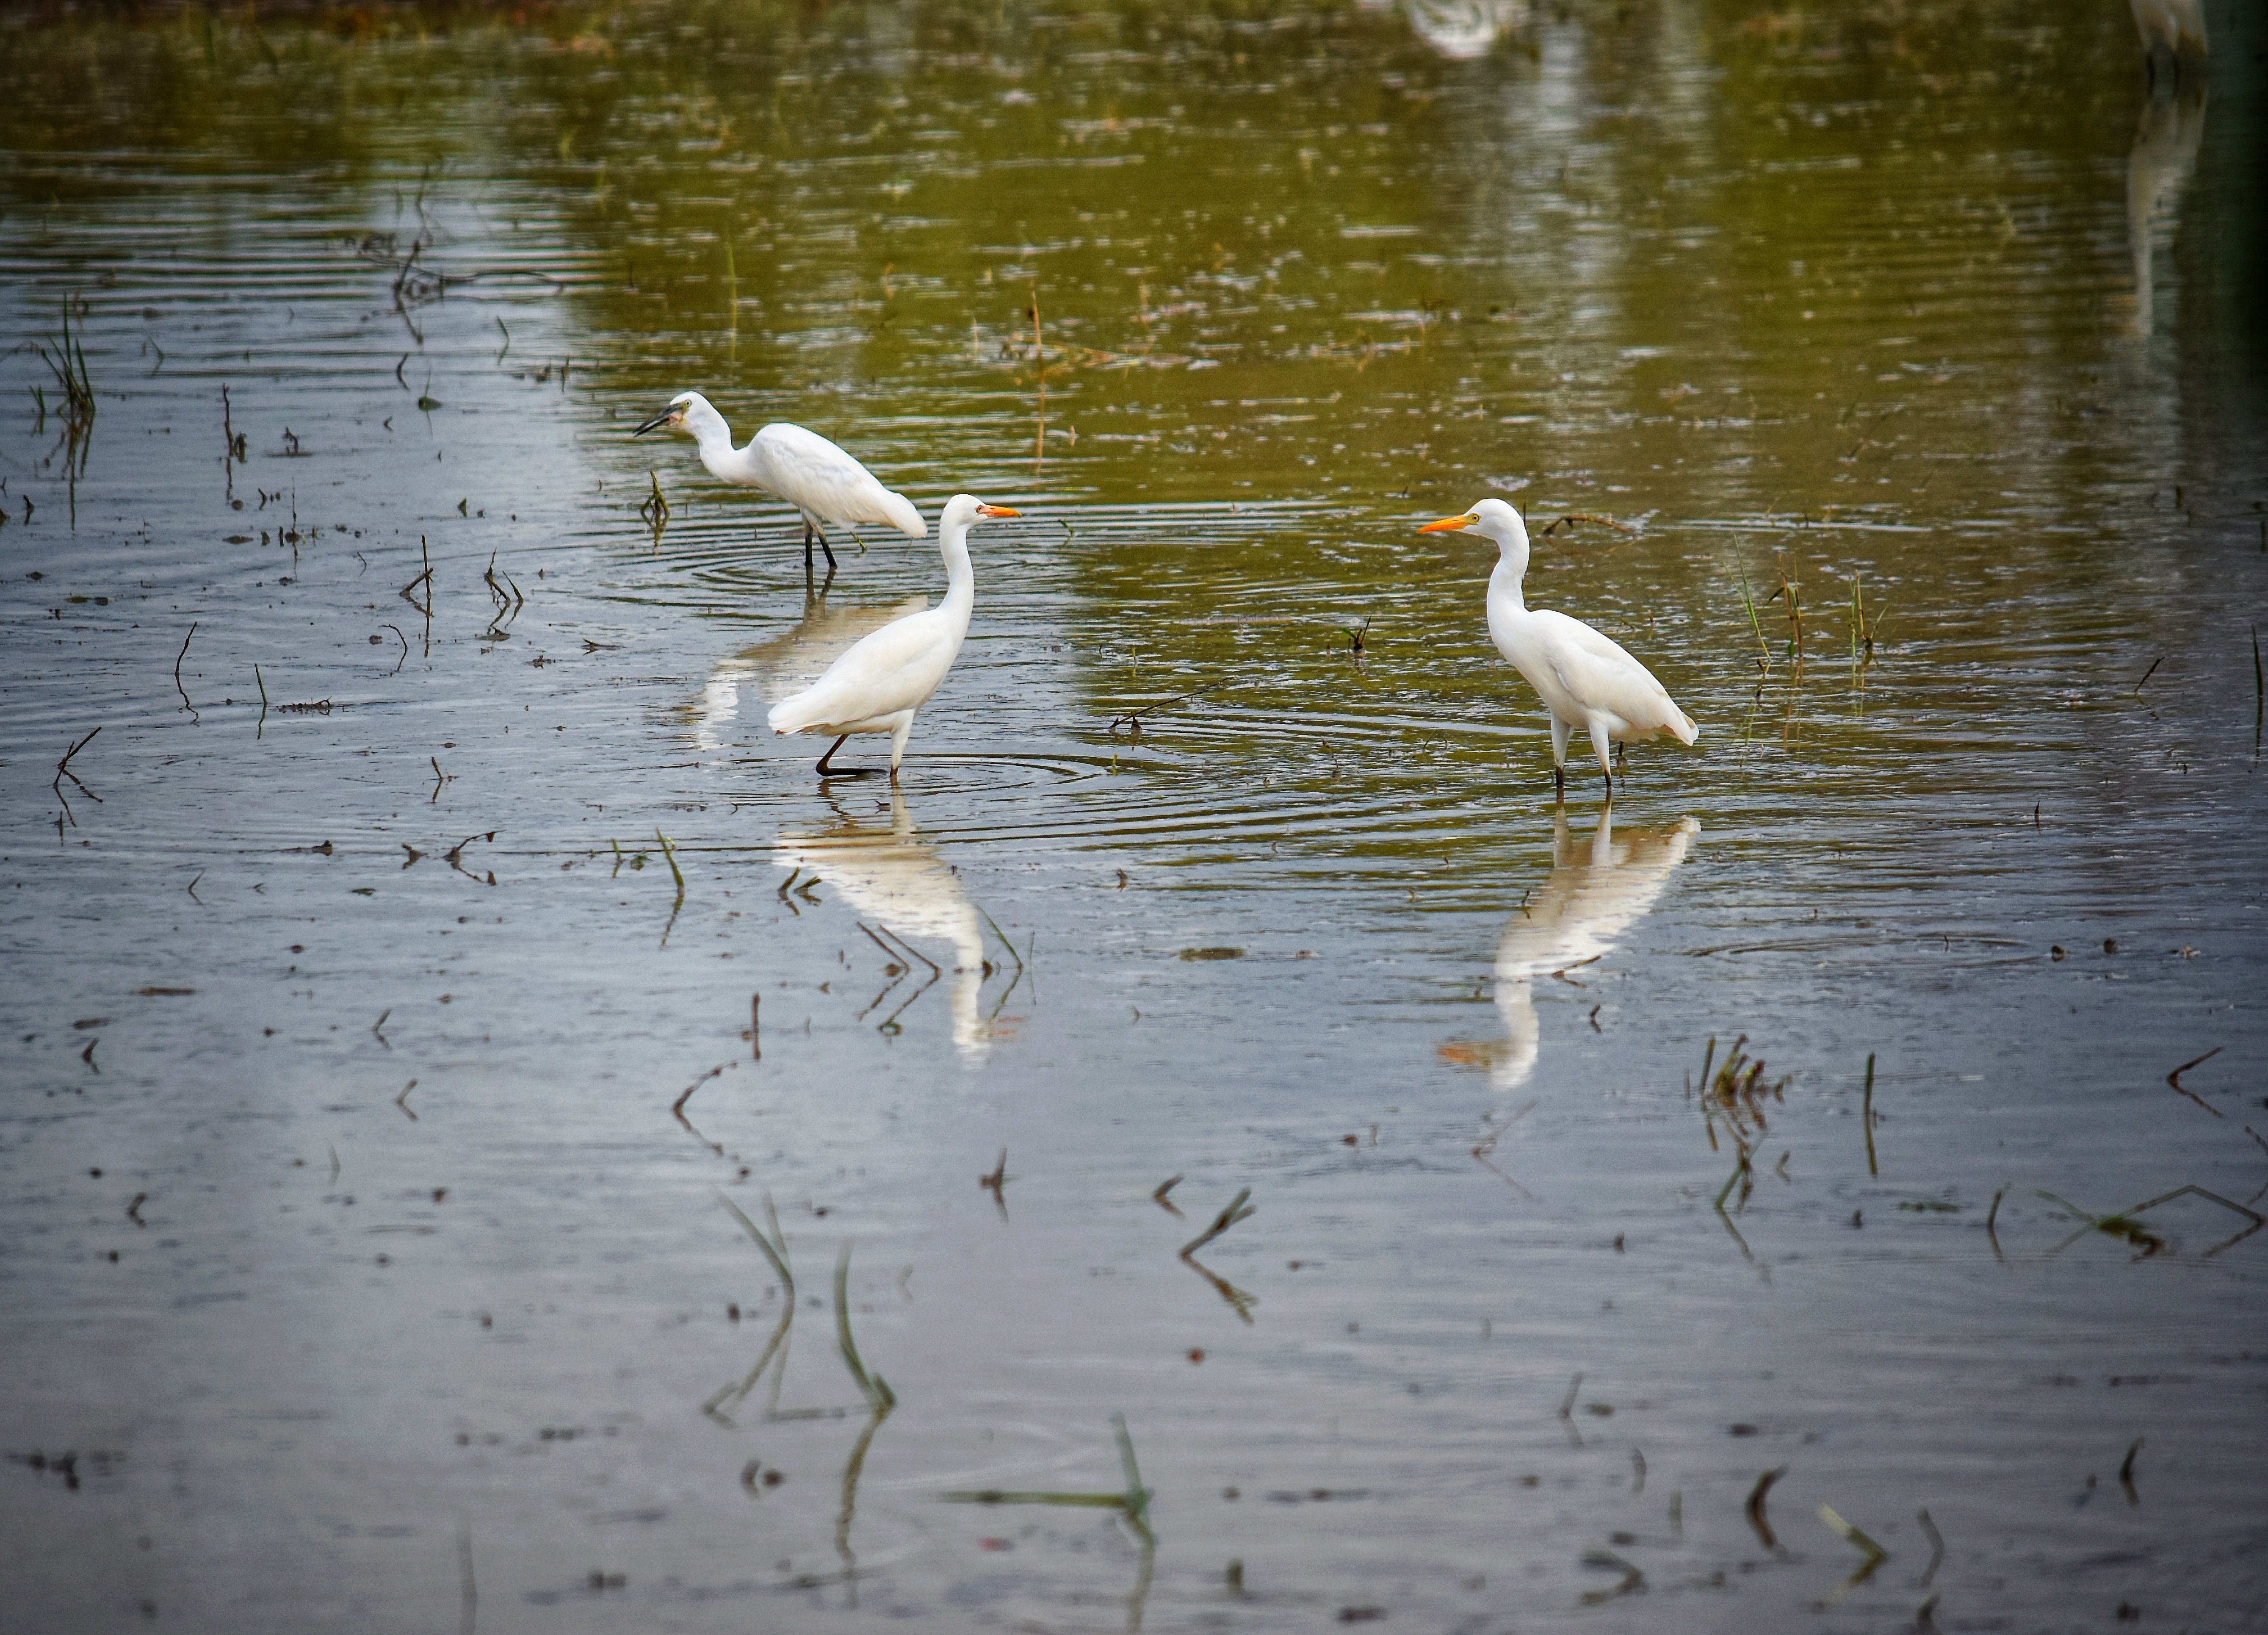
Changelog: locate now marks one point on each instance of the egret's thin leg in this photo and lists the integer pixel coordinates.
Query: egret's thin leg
(825, 770)
(824, 547)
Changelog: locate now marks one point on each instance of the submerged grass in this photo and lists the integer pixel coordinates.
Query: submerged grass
(1132, 1501)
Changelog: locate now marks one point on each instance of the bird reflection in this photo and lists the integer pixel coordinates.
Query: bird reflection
(2158, 166)
(1461, 30)
(891, 877)
(1597, 888)
(786, 664)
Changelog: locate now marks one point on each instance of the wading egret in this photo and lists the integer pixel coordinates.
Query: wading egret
(800, 466)
(885, 677)
(1585, 679)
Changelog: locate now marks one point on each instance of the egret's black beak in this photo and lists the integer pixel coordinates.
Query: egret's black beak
(667, 416)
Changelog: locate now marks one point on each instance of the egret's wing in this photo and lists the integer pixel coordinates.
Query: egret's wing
(1600, 672)
(795, 660)
(896, 668)
(808, 471)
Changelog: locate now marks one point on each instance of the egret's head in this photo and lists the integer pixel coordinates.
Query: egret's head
(1493, 517)
(964, 509)
(673, 417)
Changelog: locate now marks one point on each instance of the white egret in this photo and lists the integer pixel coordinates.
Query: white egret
(879, 685)
(1585, 679)
(818, 478)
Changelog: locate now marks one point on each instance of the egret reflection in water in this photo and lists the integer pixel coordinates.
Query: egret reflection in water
(1461, 30)
(2167, 138)
(891, 878)
(785, 664)
(1598, 888)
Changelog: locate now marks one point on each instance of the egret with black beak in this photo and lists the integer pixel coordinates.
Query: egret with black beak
(801, 467)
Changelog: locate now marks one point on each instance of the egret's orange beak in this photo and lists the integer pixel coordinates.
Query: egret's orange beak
(1449, 521)
(997, 511)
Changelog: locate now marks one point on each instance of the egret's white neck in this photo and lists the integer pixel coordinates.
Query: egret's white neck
(1510, 568)
(960, 577)
(714, 437)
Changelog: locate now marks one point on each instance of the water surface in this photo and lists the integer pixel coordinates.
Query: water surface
(374, 1094)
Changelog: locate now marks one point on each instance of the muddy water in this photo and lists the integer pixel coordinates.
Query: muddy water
(375, 1094)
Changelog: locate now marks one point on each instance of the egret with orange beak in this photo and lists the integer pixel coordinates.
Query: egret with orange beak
(879, 684)
(1584, 679)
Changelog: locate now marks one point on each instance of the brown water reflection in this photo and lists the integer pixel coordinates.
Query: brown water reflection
(1921, 346)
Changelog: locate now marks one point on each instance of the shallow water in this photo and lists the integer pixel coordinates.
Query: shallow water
(368, 1029)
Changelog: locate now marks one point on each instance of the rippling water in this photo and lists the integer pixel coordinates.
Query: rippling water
(375, 1091)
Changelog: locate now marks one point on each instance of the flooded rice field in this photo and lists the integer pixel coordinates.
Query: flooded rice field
(492, 1139)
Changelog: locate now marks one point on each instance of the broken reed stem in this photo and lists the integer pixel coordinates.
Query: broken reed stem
(1137, 1496)
(1851, 1535)
(875, 1388)
(177, 657)
(1134, 1502)
(776, 1253)
(1005, 942)
(1868, 1108)
(1237, 1210)
(62, 766)
(1756, 624)
(669, 856)
(1756, 1506)
(1936, 1547)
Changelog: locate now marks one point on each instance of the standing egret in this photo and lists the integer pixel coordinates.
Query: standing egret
(886, 677)
(800, 466)
(1585, 679)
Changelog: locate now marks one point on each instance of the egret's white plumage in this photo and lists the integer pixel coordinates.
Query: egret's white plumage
(1584, 679)
(887, 676)
(815, 476)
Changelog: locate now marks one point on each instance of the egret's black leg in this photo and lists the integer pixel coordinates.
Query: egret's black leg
(1610, 785)
(1559, 781)
(825, 770)
(824, 547)
(807, 548)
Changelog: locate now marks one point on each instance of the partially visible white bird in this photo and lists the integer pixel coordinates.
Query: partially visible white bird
(1585, 679)
(800, 466)
(879, 685)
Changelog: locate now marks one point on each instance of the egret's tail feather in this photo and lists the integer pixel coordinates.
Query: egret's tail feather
(1684, 731)
(794, 714)
(904, 516)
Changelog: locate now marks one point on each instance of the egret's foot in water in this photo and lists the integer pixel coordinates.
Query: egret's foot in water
(810, 533)
(827, 769)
